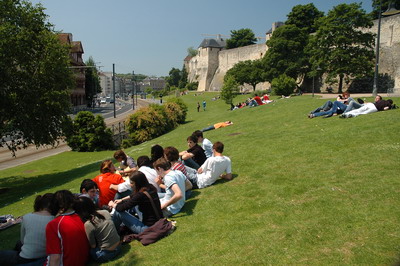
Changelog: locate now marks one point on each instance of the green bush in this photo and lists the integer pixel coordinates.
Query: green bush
(283, 85)
(183, 106)
(173, 113)
(89, 133)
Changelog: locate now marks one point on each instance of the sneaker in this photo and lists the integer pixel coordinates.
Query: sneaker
(350, 116)
(311, 116)
(342, 116)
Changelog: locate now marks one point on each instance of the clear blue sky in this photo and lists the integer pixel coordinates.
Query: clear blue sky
(152, 36)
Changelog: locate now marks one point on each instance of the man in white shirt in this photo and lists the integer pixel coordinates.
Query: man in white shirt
(214, 167)
(205, 143)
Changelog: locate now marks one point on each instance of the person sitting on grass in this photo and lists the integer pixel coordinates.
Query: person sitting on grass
(214, 167)
(206, 144)
(156, 153)
(171, 154)
(174, 184)
(217, 125)
(100, 230)
(32, 246)
(127, 164)
(368, 108)
(89, 189)
(146, 168)
(140, 185)
(194, 156)
(105, 179)
(66, 241)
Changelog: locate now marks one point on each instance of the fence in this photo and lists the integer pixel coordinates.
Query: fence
(119, 133)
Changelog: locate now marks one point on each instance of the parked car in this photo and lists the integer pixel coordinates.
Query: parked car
(103, 101)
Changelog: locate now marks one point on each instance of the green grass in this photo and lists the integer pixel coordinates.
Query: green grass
(305, 191)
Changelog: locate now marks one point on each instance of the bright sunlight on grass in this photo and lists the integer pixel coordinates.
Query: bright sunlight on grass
(305, 191)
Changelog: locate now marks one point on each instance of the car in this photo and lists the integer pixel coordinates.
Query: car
(103, 101)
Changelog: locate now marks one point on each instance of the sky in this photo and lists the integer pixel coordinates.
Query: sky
(151, 37)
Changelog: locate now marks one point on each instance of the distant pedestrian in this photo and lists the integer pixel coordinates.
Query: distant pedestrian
(198, 107)
(204, 105)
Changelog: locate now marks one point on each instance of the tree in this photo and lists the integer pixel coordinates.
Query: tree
(286, 54)
(283, 85)
(304, 17)
(173, 78)
(248, 71)
(240, 38)
(184, 78)
(229, 90)
(191, 51)
(92, 81)
(341, 47)
(34, 77)
(384, 6)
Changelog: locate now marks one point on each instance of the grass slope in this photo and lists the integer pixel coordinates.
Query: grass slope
(305, 191)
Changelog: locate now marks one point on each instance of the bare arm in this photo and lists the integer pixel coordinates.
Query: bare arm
(55, 259)
(114, 187)
(187, 155)
(176, 197)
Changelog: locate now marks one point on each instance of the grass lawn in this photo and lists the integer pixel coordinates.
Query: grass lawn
(305, 191)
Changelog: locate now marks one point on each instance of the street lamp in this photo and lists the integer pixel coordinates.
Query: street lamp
(390, 11)
(133, 90)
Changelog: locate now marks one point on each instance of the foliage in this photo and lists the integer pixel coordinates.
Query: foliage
(340, 47)
(184, 78)
(283, 85)
(384, 7)
(182, 105)
(174, 113)
(34, 77)
(92, 81)
(89, 133)
(230, 89)
(248, 71)
(240, 38)
(192, 86)
(191, 51)
(286, 53)
(365, 84)
(304, 17)
(174, 77)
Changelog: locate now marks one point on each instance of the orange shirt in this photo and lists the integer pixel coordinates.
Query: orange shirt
(104, 181)
(219, 125)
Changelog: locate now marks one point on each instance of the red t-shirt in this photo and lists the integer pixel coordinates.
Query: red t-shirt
(266, 98)
(66, 235)
(104, 181)
(258, 100)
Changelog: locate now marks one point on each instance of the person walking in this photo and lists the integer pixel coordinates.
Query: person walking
(198, 107)
(204, 105)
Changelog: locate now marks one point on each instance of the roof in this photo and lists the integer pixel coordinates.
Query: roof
(213, 43)
(65, 37)
(77, 47)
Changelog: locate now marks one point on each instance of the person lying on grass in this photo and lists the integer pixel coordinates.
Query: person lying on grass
(100, 230)
(139, 184)
(328, 107)
(32, 246)
(218, 125)
(194, 156)
(218, 166)
(368, 108)
(173, 182)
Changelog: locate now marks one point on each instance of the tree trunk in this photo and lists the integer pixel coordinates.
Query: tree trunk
(340, 83)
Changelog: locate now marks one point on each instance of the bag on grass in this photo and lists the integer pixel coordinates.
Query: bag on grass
(162, 228)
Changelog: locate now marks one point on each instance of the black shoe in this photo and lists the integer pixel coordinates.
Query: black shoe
(360, 101)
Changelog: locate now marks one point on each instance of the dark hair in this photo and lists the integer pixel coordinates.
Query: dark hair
(143, 161)
(140, 180)
(390, 101)
(88, 184)
(86, 209)
(218, 147)
(105, 166)
(62, 201)
(192, 138)
(156, 152)
(198, 134)
(171, 153)
(162, 163)
(120, 154)
(43, 202)
(380, 97)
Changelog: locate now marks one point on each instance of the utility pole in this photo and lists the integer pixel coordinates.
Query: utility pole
(133, 90)
(114, 89)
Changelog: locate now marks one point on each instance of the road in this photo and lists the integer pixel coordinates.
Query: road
(32, 153)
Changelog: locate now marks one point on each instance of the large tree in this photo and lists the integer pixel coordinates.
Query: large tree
(174, 76)
(249, 72)
(341, 47)
(239, 38)
(304, 17)
(286, 54)
(34, 77)
(92, 81)
(384, 4)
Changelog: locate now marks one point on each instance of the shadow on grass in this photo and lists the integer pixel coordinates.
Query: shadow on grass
(187, 122)
(223, 181)
(15, 188)
(189, 206)
(125, 249)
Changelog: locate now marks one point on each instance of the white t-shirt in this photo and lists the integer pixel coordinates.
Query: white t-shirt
(151, 176)
(174, 177)
(212, 168)
(207, 147)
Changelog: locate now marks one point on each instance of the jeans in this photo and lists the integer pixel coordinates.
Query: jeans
(11, 257)
(338, 107)
(208, 128)
(133, 223)
(104, 255)
(352, 106)
(191, 163)
(325, 107)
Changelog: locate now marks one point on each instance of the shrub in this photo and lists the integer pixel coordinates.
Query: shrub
(183, 106)
(89, 133)
(173, 113)
(283, 85)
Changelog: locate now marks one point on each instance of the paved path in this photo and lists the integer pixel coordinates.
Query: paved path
(32, 153)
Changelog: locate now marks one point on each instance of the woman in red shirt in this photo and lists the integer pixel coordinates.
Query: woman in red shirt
(105, 179)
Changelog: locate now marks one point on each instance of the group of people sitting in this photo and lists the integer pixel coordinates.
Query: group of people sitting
(347, 107)
(69, 229)
(252, 102)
